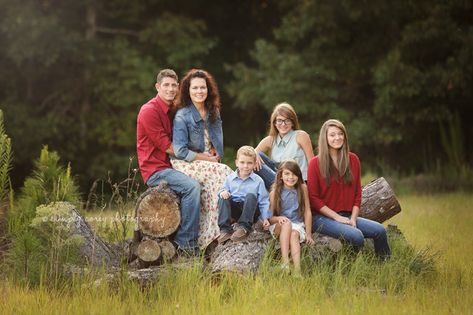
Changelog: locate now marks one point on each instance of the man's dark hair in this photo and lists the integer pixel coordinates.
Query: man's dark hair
(166, 73)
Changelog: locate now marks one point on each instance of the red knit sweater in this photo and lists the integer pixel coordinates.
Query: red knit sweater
(338, 196)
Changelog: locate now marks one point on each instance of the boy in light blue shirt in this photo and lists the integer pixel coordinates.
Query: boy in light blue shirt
(242, 198)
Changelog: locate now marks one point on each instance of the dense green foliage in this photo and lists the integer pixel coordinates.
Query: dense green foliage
(398, 74)
(31, 251)
(5, 162)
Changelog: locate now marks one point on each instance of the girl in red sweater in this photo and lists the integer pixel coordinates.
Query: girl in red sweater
(334, 185)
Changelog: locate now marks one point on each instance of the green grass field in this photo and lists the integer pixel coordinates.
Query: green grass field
(348, 285)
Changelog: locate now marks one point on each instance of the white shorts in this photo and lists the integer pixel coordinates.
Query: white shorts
(299, 227)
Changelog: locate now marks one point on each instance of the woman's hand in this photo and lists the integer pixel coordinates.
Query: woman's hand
(259, 162)
(342, 219)
(212, 156)
(353, 222)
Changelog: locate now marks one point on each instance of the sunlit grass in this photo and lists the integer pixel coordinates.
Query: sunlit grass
(348, 285)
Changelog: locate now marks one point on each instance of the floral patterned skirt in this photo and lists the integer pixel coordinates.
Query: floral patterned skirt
(211, 177)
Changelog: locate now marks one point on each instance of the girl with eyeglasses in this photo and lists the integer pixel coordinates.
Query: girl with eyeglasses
(285, 141)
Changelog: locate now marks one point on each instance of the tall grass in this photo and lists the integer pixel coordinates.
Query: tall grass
(348, 284)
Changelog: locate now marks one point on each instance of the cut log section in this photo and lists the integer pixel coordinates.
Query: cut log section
(157, 211)
(379, 203)
(168, 251)
(148, 253)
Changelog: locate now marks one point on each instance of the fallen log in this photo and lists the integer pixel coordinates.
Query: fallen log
(64, 218)
(245, 256)
(378, 202)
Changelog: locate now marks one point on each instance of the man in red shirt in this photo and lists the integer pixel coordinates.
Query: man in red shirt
(154, 146)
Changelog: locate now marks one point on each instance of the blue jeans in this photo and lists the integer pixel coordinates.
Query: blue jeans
(244, 212)
(188, 190)
(355, 236)
(268, 171)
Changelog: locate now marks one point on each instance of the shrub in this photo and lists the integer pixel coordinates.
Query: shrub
(50, 182)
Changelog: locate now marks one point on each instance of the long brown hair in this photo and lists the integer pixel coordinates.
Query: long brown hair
(286, 110)
(278, 185)
(212, 102)
(326, 164)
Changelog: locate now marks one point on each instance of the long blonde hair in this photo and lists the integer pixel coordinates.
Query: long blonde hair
(278, 186)
(326, 164)
(286, 110)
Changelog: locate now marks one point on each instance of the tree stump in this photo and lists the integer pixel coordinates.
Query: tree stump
(379, 203)
(157, 211)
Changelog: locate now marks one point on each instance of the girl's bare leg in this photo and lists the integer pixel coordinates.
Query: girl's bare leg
(284, 239)
(296, 251)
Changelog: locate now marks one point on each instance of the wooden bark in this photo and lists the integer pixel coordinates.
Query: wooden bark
(97, 252)
(168, 251)
(157, 211)
(379, 203)
(65, 216)
(245, 256)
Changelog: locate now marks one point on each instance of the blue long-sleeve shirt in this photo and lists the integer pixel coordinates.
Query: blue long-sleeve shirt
(239, 188)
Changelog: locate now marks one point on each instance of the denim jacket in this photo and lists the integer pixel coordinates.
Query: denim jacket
(188, 133)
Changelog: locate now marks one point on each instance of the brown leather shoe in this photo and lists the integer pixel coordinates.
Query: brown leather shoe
(239, 235)
(223, 237)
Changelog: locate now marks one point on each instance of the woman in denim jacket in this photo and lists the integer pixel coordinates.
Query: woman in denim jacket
(198, 145)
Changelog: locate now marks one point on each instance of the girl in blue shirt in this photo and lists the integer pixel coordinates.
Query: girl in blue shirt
(292, 218)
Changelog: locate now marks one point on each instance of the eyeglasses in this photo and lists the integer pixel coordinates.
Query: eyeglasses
(284, 122)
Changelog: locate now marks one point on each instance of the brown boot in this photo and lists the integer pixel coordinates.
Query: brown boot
(239, 235)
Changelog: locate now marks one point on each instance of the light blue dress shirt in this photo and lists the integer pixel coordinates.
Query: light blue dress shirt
(239, 188)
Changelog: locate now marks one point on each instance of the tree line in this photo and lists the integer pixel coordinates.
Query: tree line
(399, 75)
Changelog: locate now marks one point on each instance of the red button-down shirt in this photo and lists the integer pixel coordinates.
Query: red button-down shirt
(153, 137)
